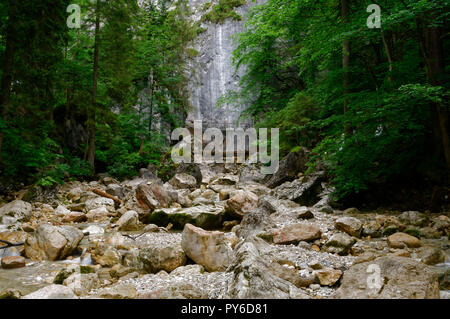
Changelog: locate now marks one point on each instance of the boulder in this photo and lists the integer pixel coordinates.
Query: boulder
(10, 293)
(339, 243)
(304, 191)
(293, 234)
(116, 190)
(15, 237)
(82, 284)
(208, 197)
(252, 173)
(225, 179)
(107, 180)
(97, 215)
(128, 221)
(93, 230)
(193, 169)
(431, 255)
(254, 276)
(399, 278)
(289, 168)
(400, 240)
(259, 220)
(61, 210)
(204, 216)
(430, 233)
(107, 256)
(291, 274)
(52, 242)
(74, 217)
(74, 194)
(413, 218)
(209, 249)
(152, 195)
(442, 224)
(304, 214)
(118, 241)
(241, 203)
(15, 211)
(118, 291)
(372, 229)
(350, 225)
(157, 258)
(183, 180)
(12, 262)
(328, 277)
(52, 292)
(178, 290)
(100, 202)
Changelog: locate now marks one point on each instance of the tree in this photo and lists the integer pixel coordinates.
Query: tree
(8, 64)
(91, 154)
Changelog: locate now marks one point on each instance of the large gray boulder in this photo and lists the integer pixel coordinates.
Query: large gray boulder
(152, 195)
(52, 292)
(254, 276)
(295, 233)
(350, 225)
(52, 242)
(400, 278)
(289, 168)
(206, 248)
(204, 216)
(258, 221)
(128, 221)
(15, 211)
(305, 191)
(241, 203)
(162, 257)
(183, 181)
(339, 243)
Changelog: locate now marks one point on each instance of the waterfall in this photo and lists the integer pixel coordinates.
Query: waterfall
(212, 73)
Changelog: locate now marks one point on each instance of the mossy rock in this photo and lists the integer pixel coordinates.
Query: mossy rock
(205, 217)
(390, 230)
(180, 219)
(61, 276)
(159, 218)
(413, 232)
(208, 221)
(86, 270)
(10, 294)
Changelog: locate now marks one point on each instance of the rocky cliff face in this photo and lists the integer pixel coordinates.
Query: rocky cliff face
(212, 72)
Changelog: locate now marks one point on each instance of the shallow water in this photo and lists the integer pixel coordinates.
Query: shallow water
(30, 278)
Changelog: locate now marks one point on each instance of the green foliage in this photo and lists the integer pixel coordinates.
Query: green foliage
(141, 94)
(293, 52)
(222, 11)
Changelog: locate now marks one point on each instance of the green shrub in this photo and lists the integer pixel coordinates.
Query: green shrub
(222, 11)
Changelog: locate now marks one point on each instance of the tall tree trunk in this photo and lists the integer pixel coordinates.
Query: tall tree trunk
(346, 62)
(91, 153)
(434, 56)
(389, 56)
(8, 68)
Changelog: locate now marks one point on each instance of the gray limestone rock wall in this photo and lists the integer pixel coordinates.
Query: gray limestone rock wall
(212, 73)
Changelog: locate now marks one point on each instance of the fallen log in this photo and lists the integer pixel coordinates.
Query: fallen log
(103, 194)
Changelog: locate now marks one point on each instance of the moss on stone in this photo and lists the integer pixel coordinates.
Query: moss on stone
(390, 230)
(413, 232)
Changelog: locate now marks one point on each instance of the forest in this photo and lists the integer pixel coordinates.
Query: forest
(350, 98)
(370, 103)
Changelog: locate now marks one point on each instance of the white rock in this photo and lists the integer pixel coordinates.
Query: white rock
(52, 292)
